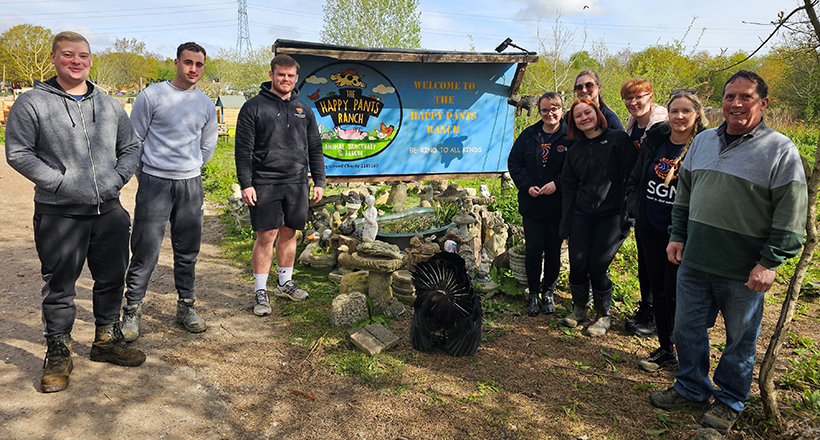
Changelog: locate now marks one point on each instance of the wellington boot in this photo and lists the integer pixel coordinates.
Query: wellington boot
(58, 364)
(187, 317)
(110, 346)
(131, 321)
(578, 315)
(599, 327)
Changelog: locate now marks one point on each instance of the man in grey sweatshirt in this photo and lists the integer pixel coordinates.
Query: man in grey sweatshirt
(78, 147)
(177, 126)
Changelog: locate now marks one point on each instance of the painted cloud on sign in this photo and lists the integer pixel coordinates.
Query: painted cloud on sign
(381, 89)
(316, 80)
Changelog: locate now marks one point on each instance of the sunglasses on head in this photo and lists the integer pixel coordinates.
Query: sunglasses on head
(678, 91)
(588, 86)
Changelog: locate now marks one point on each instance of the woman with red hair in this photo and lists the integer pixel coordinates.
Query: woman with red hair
(638, 94)
(593, 217)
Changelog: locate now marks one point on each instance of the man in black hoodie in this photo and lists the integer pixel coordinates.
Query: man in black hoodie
(277, 142)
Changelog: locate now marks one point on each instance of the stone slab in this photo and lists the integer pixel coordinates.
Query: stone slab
(373, 339)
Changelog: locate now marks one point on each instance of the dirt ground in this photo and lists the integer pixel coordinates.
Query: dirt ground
(245, 379)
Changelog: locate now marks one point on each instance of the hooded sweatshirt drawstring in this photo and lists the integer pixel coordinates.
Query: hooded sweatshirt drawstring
(65, 102)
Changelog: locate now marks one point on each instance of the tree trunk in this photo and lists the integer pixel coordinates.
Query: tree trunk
(768, 393)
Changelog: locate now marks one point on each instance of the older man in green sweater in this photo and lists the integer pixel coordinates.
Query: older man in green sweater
(739, 213)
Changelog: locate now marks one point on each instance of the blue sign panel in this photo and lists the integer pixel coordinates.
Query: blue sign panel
(399, 118)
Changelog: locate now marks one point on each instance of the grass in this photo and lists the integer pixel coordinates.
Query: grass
(307, 324)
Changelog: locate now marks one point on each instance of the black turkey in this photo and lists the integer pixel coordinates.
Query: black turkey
(447, 308)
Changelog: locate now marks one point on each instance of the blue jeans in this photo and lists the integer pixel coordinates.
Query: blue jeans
(700, 296)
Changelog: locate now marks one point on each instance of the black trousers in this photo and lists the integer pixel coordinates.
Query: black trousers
(64, 243)
(158, 201)
(593, 243)
(643, 276)
(542, 243)
(662, 277)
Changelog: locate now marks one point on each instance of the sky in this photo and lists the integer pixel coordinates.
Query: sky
(716, 25)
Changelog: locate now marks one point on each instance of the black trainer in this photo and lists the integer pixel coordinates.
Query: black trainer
(658, 360)
(533, 305)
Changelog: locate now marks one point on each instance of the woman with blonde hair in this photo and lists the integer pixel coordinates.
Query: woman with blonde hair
(650, 195)
(638, 94)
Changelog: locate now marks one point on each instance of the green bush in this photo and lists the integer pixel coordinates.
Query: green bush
(220, 172)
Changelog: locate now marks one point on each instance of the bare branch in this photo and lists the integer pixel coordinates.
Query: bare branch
(780, 24)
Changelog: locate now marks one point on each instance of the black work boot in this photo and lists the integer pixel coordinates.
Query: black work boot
(643, 322)
(110, 346)
(58, 364)
(547, 304)
(533, 305)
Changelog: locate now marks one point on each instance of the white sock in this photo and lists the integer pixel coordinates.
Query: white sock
(260, 281)
(285, 275)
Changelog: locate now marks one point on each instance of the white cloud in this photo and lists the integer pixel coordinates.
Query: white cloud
(549, 8)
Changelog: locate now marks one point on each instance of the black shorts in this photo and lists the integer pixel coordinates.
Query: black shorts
(280, 205)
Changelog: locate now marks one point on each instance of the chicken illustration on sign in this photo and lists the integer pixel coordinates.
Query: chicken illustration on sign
(355, 122)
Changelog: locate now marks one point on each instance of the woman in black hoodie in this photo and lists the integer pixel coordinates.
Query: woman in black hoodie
(593, 217)
(535, 164)
(650, 193)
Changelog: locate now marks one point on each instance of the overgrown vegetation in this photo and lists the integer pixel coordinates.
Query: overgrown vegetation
(441, 216)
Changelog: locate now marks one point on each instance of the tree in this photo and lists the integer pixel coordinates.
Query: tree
(768, 392)
(126, 64)
(553, 70)
(794, 67)
(26, 51)
(372, 23)
(245, 73)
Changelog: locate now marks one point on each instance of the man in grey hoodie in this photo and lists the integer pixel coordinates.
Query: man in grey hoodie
(78, 147)
(176, 124)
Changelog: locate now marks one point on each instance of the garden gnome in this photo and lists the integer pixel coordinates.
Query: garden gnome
(370, 227)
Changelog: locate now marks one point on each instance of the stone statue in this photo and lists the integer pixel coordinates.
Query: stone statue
(239, 210)
(484, 190)
(370, 226)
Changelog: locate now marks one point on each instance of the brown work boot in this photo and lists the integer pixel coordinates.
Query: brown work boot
(58, 364)
(187, 317)
(110, 346)
(131, 321)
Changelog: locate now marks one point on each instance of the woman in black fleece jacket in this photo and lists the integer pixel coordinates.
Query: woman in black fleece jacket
(535, 164)
(593, 217)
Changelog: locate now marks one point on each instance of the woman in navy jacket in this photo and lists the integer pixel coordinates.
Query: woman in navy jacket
(535, 164)
(650, 194)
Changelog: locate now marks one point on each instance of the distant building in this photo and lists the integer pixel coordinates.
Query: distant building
(228, 108)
